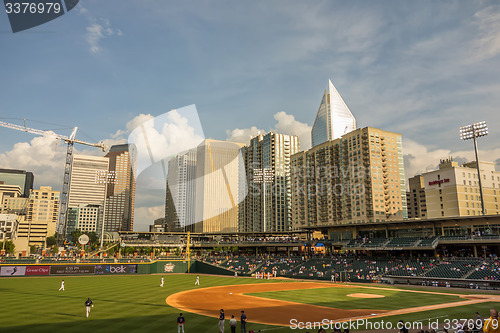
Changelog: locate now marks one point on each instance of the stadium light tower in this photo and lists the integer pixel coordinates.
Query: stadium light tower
(473, 132)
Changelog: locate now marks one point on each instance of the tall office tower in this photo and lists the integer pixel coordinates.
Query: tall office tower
(453, 190)
(267, 206)
(11, 200)
(218, 186)
(120, 194)
(180, 195)
(415, 198)
(41, 218)
(87, 193)
(358, 178)
(21, 178)
(334, 119)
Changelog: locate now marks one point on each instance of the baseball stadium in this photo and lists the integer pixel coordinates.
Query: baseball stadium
(303, 281)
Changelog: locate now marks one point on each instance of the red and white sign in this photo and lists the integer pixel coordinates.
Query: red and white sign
(435, 182)
(37, 270)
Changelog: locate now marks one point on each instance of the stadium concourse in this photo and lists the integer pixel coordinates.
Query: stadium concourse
(446, 252)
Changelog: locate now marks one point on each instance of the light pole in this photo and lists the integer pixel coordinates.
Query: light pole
(105, 177)
(263, 176)
(475, 131)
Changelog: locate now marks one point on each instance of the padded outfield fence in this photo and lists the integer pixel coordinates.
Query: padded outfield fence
(155, 267)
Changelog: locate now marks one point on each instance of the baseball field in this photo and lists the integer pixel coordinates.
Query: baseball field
(138, 304)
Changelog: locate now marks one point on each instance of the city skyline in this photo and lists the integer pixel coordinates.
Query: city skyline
(398, 67)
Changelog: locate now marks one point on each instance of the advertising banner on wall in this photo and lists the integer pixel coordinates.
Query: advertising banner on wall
(37, 270)
(116, 269)
(12, 270)
(63, 269)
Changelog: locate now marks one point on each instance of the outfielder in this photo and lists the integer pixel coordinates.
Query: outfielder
(197, 280)
(62, 286)
(161, 285)
(88, 304)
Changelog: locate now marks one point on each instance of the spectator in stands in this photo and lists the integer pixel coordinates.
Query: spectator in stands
(491, 325)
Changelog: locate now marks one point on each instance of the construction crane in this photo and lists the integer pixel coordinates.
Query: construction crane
(70, 141)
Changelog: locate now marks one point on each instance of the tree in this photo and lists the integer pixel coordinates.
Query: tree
(74, 235)
(51, 241)
(33, 249)
(93, 238)
(9, 246)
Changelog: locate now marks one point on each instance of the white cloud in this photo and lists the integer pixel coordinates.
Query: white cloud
(144, 216)
(419, 158)
(43, 155)
(286, 124)
(243, 135)
(487, 45)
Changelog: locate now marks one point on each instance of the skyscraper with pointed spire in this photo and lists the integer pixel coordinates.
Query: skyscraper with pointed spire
(333, 119)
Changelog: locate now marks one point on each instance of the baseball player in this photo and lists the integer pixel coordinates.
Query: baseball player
(88, 305)
(243, 322)
(221, 321)
(161, 285)
(180, 323)
(197, 280)
(62, 286)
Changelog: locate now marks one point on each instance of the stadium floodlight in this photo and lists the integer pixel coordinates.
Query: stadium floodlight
(473, 132)
(263, 176)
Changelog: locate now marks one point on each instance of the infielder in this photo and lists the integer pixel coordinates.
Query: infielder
(197, 280)
(62, 286)
(161, 285)
(88, 305)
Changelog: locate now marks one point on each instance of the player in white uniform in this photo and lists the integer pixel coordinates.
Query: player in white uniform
(197, 280)
(161, 285)
(62, 286)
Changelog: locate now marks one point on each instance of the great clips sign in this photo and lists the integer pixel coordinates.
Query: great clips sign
(441, 181)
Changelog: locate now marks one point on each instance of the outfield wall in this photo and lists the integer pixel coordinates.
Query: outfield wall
(155, 267)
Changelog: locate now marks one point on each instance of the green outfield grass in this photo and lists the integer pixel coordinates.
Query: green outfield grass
(137, 304)
(337, 298)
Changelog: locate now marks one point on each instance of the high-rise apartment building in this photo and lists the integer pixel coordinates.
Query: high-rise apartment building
(41, 217)
(453, 190)
(21, 178)
(11, 199)
(267, 205)
(334, 119)
(87, 192)
(181, 190)
(358, 178)
(218, 186)
(120, 194)
(415, 198)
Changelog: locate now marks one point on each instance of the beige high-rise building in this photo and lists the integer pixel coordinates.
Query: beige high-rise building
(415, 198)
(453, 190)
(356, 179)
(267, 206)
(89, 177)
(120, 196)
(217, 186)
(41, 217)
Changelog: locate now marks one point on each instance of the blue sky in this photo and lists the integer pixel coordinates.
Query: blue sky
(420, 68)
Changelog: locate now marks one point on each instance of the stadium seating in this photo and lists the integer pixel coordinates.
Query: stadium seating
(486, 270)
(411, 268)
(453, 269)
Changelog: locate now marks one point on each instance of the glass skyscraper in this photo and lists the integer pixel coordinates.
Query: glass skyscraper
(333, 119)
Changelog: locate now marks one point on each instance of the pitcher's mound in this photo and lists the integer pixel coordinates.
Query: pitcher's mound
(361, 295)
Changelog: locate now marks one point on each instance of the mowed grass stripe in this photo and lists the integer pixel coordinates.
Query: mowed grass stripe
(337, 298)
(122, 304)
